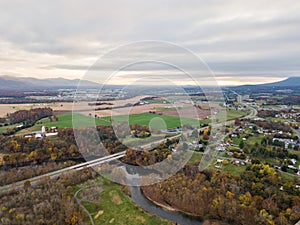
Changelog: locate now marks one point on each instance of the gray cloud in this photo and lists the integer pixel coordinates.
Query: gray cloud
(235, 38)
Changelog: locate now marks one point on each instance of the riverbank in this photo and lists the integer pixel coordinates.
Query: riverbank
(182, 212)
(170, 208)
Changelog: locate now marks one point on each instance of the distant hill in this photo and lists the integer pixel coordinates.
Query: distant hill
(289, 82)
(28, 83)
(292, 83)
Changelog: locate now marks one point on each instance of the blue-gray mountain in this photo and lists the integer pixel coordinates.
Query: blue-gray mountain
(289, 82)
(28, 83)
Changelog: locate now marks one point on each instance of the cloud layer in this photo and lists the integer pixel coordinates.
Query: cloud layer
(241, 41)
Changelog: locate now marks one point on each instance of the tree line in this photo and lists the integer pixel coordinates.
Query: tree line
(257, 196)
(29, 115)
(49, 202)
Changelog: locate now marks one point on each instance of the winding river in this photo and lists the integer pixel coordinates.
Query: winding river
(138, 197)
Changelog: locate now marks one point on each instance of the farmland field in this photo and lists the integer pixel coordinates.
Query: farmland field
(65, 120)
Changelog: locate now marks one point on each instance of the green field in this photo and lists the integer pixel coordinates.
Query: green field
(235, 170)
(4, 128)
(229, 168)
(229, 114)
(118, 208)
(250, 141)
(65, 121)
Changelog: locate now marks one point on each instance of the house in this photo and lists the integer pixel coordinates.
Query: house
(294, 161)
(236, 163)
(277, 167)
(221, 149)
(292, 167)
(172, 148)
(38, 136)
(51, 134)
(200, 145)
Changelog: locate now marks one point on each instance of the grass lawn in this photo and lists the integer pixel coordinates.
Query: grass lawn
(287, 178)
(252, 140)
(235, 170)
(282, 120)
(270, 160)
(119, 208)
(249, 142)
(295, 152)
(65, 120)
(230, 168)
(271, 106)
(298, 154)
(195, 159)
(4, 128)
(230, 114)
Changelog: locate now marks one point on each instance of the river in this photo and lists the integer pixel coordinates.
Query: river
(138, 197)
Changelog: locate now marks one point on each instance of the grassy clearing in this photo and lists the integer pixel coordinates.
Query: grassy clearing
(235, 170)
(117, 208)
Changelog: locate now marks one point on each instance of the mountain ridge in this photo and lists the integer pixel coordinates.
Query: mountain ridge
(12, 83)
(30, 83)
(287, 82)
(290, 81)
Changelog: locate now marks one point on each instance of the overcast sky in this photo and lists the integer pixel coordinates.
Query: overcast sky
(241, 41)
